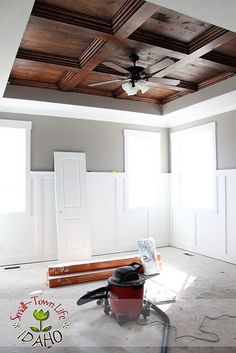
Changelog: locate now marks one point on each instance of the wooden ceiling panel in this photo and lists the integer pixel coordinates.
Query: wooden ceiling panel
(66, 43)
(52, 37)
(194, 72)
(36, 71)
(174, 25)
(105, 9)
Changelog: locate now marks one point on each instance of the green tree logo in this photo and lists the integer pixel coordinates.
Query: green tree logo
(41, 316)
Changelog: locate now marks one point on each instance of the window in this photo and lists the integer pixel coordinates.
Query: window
(193, 167)
(15, 165)
(142, 167)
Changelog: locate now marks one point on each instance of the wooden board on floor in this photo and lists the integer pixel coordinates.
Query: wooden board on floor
(82, 266)
(58, 281)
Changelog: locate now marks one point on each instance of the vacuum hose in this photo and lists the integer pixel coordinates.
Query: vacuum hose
(166, 322)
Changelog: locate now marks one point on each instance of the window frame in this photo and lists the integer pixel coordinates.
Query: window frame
(127, 134)
(188, 131)
(27, 126)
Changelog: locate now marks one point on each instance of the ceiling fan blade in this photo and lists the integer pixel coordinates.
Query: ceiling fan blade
(159, 66)
(115, 67)
(103, 83)
(164, 81)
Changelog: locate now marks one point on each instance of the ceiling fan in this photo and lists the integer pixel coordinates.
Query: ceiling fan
(137, 78)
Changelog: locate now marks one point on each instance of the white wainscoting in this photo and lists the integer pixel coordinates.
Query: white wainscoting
(211, 233)
(32, 237)
(114, 228)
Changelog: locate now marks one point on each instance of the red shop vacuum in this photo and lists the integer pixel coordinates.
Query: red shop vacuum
(123, 298)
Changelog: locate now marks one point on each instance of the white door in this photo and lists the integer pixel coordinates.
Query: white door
(71, 206)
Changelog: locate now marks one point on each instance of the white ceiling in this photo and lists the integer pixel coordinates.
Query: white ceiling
(209, 101)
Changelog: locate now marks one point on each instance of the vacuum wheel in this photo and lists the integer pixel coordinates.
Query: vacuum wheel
(107, 310)
(122, 319)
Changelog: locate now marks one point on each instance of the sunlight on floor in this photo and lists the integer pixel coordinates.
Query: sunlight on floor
(164, 288)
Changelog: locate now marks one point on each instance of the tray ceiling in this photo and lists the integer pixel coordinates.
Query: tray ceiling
(65, 44)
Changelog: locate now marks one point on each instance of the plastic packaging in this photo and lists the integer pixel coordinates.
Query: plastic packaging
(147, 252)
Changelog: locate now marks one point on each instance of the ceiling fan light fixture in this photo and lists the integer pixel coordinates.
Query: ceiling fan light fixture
(142, 85)
(129, 88)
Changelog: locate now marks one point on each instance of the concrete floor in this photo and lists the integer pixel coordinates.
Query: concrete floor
(203, 286)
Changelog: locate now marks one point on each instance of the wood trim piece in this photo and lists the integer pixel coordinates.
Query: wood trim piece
(63, 82)
(221, 61)
(94, 91)
(98, 26)
(69, 280)
(129, 8)
(61, 269)
(215, 79)
(68, 274)
(163, 42)
(208, 38)
(48, 58)
(90, 51)
(30, 83)
(173, 97)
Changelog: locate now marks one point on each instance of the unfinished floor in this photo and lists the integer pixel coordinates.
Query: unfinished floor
(204, 286)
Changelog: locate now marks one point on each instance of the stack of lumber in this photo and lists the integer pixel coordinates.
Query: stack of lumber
(87, 271)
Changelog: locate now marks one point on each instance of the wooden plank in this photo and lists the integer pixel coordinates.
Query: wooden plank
(64, 269)
(66, 280)
(88, 277)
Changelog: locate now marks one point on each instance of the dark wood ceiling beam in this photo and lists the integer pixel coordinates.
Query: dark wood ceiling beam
(133, 21)
(129, 8)
(90, 51)
(221, 61)
(62, 84)
(162, 42)
(215, 40)
(96, 27)
(213, 37)
(179, 50)
(48, 58)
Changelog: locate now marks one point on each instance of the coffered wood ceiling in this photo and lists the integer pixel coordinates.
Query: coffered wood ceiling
(66, 42)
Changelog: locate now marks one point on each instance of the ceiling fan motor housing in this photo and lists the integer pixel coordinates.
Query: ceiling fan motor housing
(136, 73)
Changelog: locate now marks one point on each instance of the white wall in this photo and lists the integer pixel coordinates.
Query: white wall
(32, 237)
(210, 233)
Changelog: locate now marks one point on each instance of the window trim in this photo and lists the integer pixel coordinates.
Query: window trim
(27, 126)
(187, 131)
(127, 133)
